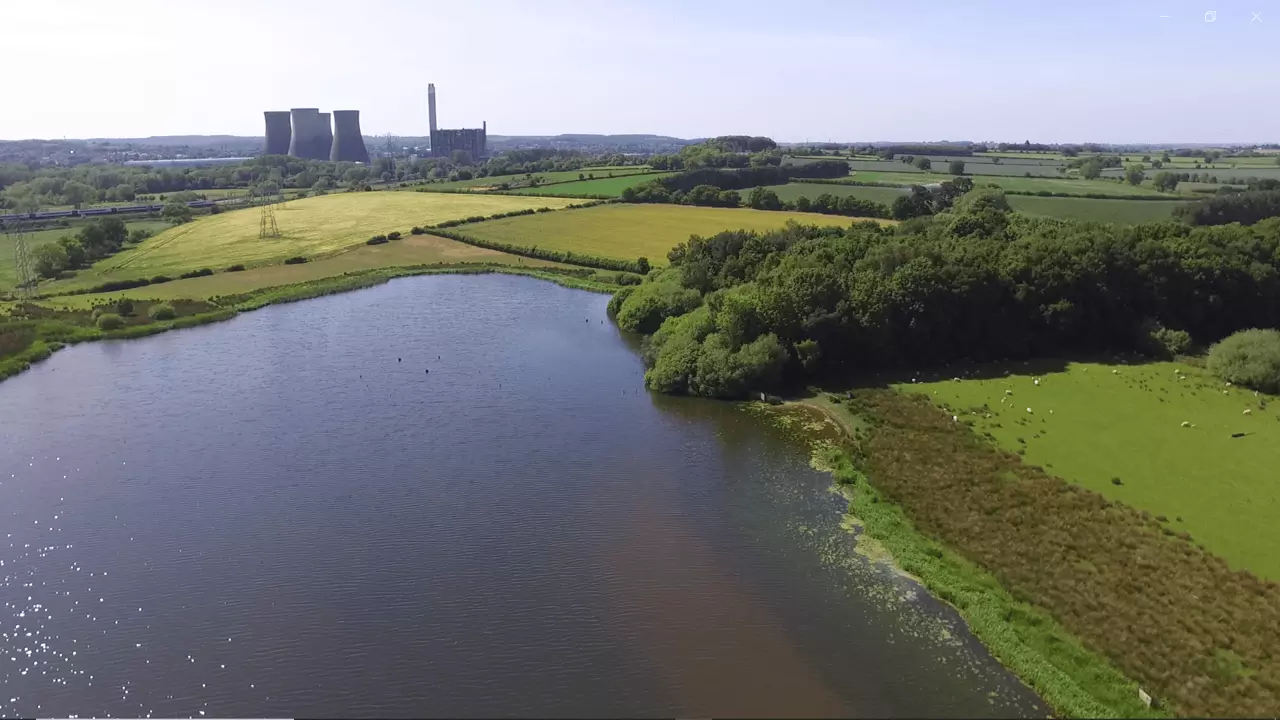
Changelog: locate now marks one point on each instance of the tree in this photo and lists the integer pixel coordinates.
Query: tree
(956, 167)
(50, 260)
(100, 238)
(460, 157)
(1133, 174)
(76, 193)
(762, 198)
(124, 307)
(923, 163)
(176, 212)
(1165, 181)
(76, 256)
(1091, 169)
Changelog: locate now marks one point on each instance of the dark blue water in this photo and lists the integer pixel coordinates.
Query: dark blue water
(287, 514)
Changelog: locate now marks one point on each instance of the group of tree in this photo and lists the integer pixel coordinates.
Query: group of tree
(96, 240)
(1246, 208)
(740, 311)
(932, 199)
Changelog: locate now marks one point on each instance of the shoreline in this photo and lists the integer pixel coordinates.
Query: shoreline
(985, 606)
(44, 347)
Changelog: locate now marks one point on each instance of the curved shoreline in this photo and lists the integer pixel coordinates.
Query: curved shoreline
(41, 348)
(977, 596)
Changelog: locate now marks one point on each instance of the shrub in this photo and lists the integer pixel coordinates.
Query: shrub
(110, 321)
(375, 240)
(160, 279)
(202, 272)
(124, 307)
(295, 260)
(393, 235)
(415, 230)
(1250, 358)
(163, 311)
(235, 268)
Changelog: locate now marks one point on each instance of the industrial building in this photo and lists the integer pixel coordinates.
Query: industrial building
(445, 142)
(312, 135)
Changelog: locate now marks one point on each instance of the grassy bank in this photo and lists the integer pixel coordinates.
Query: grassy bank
(32, 332)
(1039, 561)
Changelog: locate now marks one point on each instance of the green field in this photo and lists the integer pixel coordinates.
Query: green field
(791, 191)
(1094, 422)
(412, 250)
(42, 237)
(1102, 187)
(312, 227)
(1124, 212)
(628, 231)
(563, 176)
(612, 187)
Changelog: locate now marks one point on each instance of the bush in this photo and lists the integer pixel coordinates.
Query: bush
(295, 260)
(1162, 342)
(1250, 358)
(375, 240)
(415, 230)
(110, 321)
(393, 235)
(235, 268)
(124, 307)
(202, 272)
(161, 312)
(160, 279)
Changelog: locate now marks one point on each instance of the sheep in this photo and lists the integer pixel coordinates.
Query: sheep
(1008, 392)
(1029, 411)
(1115, 372)
(1248, 411)
(955, 418)
(1036, 381)
(1186, 424)
(1228, 383)
(1224, 392)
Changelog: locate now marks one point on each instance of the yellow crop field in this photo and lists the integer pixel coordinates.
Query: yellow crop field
(627, 231)
(313, 228)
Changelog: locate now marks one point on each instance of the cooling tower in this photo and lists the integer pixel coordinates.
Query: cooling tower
(327, 137)
(309, 133)
(348, 143)
(278, 133)
(431, 105)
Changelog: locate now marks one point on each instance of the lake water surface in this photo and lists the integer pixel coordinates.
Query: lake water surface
(286, 515)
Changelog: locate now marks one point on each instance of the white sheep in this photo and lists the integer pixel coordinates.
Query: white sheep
(1115, 372)
(1228, 383)
(1224, 392)
(1008, 392)
(1029, 411)
(955, 418)
(1248, 411)
(1036, 381)
(1186, 424)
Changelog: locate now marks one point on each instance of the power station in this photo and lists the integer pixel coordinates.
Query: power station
(444, 142)
(312, 135)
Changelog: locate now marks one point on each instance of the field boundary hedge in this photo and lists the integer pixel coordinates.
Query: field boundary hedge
(639, 265)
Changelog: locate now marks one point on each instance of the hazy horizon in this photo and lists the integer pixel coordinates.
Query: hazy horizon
(825, 70)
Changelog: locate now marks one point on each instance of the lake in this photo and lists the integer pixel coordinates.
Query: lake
(445, 495)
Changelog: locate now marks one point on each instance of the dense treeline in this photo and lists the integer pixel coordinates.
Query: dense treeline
(639, 265)
(976, 282)
(25, 188)
(95, 241)
(1245, 208)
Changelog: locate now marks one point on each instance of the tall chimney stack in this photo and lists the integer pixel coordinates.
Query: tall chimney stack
(431, 105)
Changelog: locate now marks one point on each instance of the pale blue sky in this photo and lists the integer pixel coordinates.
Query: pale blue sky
(1047, 71)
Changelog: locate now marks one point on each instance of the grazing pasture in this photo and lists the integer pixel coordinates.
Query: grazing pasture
(791, 191)
(1164, 437)
(1123, 212)
(611, 187)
